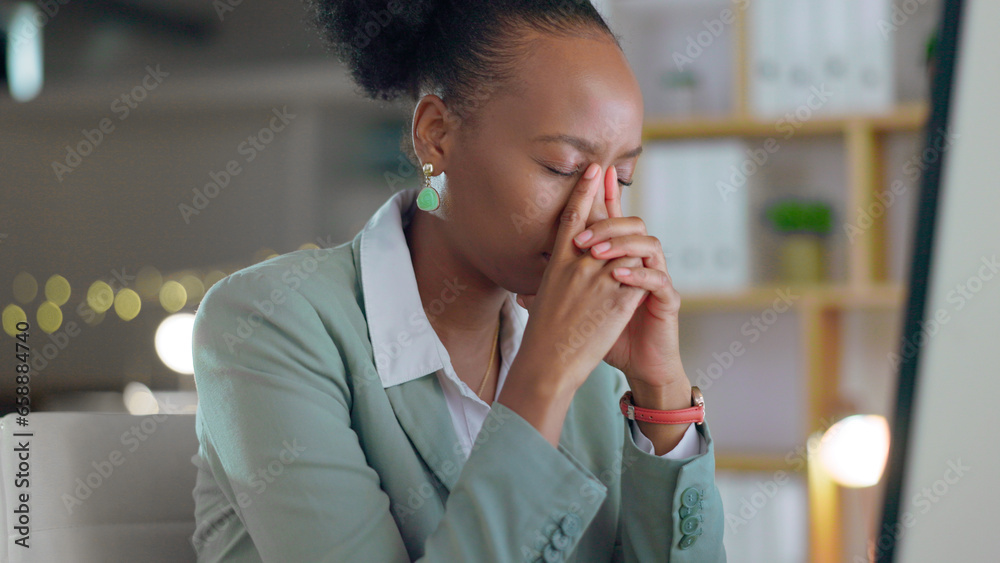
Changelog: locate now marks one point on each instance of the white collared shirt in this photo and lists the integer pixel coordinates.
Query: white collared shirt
(405, 345)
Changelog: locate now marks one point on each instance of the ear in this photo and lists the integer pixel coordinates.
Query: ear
(434, 131)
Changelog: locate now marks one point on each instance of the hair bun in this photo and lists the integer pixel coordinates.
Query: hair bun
(379, 41)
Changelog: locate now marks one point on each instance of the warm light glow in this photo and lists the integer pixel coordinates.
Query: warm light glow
(854, 450)
(100, 296)
(213, 277)
(173, 296)
(12, 314)
(25, 287)
(173, 342)
(139, 399)
(49, 316)
(127, 304)
(195, 289)
(57, 290)
(309, 245)
(262, 254)
(148, 281)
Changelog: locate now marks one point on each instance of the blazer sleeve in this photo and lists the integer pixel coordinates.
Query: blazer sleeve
(671, 509)
(274, 427)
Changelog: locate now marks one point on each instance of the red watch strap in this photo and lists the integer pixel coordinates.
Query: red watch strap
(694, 414)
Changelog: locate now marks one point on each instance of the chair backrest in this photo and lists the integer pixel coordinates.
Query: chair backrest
(101, 487)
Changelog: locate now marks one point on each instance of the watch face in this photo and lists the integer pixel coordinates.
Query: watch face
(696, 398)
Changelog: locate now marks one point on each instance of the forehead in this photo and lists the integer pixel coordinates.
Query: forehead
(574, 85)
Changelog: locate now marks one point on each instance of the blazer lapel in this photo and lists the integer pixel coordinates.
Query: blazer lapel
(422, 411)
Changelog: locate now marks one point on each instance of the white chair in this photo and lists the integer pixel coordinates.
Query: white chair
(102, 487)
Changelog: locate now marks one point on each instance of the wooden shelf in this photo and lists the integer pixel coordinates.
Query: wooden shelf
(888, 296)
(907, 117)
(821, 311)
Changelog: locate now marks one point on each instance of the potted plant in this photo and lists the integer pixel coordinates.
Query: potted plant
(804, 225)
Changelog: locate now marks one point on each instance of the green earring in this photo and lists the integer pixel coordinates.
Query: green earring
(428, 198)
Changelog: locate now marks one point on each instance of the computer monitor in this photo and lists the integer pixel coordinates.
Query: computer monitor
(941, 488)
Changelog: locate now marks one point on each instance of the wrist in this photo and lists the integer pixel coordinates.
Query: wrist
(670, 397)
(674, 396)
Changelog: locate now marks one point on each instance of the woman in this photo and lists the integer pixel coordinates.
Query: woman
(389, 399)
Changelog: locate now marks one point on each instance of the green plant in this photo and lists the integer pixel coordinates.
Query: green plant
(800, 216)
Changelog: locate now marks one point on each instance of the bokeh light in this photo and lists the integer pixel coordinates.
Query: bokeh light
(148, 282)
(173, 296)
(100, 296)
(139, 400)
(854, 450)
(57, 290)
(173, 342)
(127, 304)
(49, 317)
(213, 277)
(25, 287)
(193, 286)
(12, 314)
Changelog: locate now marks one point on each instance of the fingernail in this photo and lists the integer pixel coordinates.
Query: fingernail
(592, 171)
(584, 236)
(601, 247)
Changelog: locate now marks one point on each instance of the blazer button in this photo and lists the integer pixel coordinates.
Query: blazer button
(561, 541)
(691, 524)
(690, 497)
(552, 555)
(570, 524)
(686, 511)
(688, 541)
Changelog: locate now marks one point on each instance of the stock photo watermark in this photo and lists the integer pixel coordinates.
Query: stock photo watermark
(700, 42)
(758, 157)
(922, 502)
(959, 296)
(753, 330)
(122, 107)
(249, 148)
(901, 13)
(911, 169)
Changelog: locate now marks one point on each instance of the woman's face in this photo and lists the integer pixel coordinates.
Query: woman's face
(509, 175)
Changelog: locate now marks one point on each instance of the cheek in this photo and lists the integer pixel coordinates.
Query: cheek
(537, 203)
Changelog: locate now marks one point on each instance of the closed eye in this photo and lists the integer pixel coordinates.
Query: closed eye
(577, 171)
(561, 173)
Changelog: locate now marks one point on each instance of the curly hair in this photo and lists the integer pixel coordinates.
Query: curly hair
(461, 50)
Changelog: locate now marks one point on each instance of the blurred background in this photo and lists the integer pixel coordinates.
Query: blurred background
(151, 147)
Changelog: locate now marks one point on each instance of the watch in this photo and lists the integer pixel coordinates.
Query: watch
(696, 413)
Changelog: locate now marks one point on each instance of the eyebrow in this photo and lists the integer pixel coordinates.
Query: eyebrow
(583, 145)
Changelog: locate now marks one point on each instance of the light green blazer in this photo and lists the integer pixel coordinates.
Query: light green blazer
(304, 456)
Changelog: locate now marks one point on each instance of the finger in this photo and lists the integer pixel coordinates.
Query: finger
(613, 227)
(575, 214)
(643, 246)
(655, 281)
(646, 278)
(612, 193)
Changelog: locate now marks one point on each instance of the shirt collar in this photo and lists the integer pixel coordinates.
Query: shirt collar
(404, 344)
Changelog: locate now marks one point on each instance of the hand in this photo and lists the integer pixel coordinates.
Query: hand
(647, 351)
(580, 310)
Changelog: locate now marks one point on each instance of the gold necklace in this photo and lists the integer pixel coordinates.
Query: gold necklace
(482, 385)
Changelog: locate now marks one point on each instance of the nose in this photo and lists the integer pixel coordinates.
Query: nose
(599, 209)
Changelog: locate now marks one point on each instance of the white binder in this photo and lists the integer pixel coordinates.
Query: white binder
(764, 57)
(704, 236)
(873, 79)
